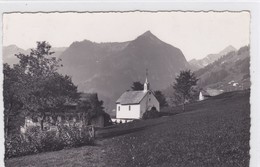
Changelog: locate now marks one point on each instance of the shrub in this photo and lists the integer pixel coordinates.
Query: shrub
(36, 141)
(107, 119)
(150, 114)
(17, 146)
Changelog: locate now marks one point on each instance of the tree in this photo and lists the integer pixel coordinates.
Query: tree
(184, 86)
(161, 98)
(90, 106)
(151, 114)
(137, 86)
(14, 94)
(41, 88)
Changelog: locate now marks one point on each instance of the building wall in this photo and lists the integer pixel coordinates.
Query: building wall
(124, 112)
(201, 97)
(137, 110)
(147, 104)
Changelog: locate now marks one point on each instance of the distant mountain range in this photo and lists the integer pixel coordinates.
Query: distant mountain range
(230, 72)
(197, 64)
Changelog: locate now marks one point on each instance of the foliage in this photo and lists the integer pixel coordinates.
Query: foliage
(151, 114)
(34, 85)
(15, 93)
(137, 86)
(161, 98)
(184, 86)
(90, 106)
(107, 120)
(35, 140)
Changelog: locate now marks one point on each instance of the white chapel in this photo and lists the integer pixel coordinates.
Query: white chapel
(132, 104)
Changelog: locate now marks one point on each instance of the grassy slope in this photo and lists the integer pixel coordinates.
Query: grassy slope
(214, 133)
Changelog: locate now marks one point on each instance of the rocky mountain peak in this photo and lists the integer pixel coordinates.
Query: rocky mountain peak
(149, 36)
(228, 49)
(147, 33)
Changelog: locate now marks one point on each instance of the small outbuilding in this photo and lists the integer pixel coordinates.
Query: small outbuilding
(205, 94)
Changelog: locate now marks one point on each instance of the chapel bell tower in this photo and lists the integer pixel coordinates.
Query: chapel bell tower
(146, 84)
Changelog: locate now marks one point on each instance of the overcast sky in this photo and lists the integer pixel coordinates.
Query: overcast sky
(196, 34)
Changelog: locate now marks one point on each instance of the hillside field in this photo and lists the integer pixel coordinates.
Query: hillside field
(214, 132)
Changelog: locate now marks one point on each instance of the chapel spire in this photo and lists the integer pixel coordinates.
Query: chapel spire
(146, 84)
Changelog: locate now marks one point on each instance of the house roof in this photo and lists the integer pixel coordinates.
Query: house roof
(131, 97)
(211, 92)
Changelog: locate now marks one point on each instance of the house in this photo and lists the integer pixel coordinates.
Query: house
(132, 104)
(205, 94)
(70, 115)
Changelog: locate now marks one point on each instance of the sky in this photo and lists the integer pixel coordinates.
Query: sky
(196, 34)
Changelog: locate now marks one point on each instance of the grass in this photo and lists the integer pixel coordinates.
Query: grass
(82, 156)
(214, 132)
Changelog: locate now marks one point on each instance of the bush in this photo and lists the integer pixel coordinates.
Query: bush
(150, 114)
(17, 146)
(107, 119)
(36, 141)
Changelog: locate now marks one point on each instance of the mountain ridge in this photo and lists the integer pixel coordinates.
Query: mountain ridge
(210, 58)
(230, 72)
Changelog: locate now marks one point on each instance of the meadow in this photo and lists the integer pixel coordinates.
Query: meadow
(213, 132)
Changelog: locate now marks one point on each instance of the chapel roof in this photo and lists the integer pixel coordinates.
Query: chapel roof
(131, 97)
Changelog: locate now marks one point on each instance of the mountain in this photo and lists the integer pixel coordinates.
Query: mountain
(110, 68)
(58, 51)
(197, 64)
(10, 51)
(9, 54)
(229, 73)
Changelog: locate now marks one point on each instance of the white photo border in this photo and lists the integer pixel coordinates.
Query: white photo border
(121, 6)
